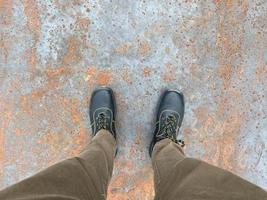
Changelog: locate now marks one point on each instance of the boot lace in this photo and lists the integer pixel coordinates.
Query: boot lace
(169, 130)
(102, 121)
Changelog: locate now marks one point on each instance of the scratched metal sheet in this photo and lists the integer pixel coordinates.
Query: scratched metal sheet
(53, 53)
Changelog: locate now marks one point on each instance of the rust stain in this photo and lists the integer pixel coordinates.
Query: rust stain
(261, 69)
(143, 48)
(27, 100)
(229, 47)
(4, 45)
(126, 76)
(51, 73)
(5, 117)
(229, 117)
(224, 126)
(83, 23)
(33, 22)
(169, 74)
(119, 181)
(147, 71)
(2, 148)
(6, 10)
(37, 94)
(72, 106)
(91, 73)
(81, 140)
(103, 78)
(75, 113)
(100, 77)
(31, 57)
(25, 105)
(53, 77)
(140, 185)
(18, 131)
(3, 75)
(231, 128)
(194, 70)
(53, 139)
(82, 137)
(123, 49)
(73, 51)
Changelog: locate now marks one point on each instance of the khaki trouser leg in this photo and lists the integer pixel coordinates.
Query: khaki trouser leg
(80, 178)
(177, 177)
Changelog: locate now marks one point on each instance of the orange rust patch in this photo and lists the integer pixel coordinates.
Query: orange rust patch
(54, 75)
(123, 49)
(225, 128)
(25, 104)
(18, 131)
(125, 75)
(229, 116)
(80, 139)
(1, 149)
(143, 187)
(56, 72)
(228, 46)
(73, 53)
(194, 70)
(119, 181)
(6, 9)
(261, 70)
(101, 77)
(83, 23)
(169, 75)
(143, 48)
(226, 72)
(51, 139)
(76, 117)
(37, 94)
(147, 71)
(5, 118)
(27, 100)
(231, 129)
(92, 71)
(72, 106)
(4, 46)
(33, 22)
(31, 57)
(75, 113)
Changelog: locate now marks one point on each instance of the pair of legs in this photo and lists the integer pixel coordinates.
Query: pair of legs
(175, 176)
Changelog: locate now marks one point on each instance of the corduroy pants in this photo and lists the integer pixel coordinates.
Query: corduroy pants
(176, 177)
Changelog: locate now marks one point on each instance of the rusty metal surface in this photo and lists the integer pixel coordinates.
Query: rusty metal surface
(54, 52)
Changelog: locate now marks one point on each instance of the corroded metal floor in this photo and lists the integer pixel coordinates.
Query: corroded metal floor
(53, 53)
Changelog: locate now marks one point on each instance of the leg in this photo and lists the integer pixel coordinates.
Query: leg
(85, 176)
(81, 178)
(178, 177)
(165, 156)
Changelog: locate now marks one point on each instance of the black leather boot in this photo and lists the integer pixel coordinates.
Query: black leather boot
(103, 111)
(170, 115)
